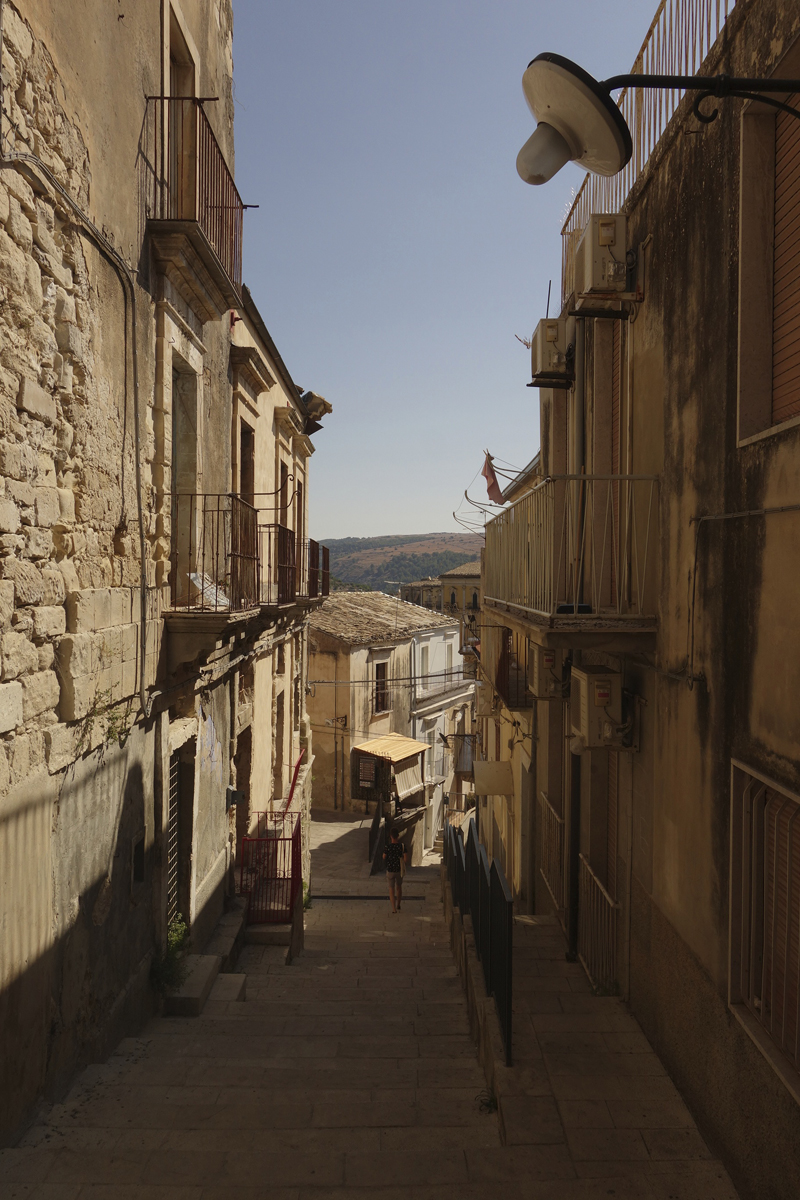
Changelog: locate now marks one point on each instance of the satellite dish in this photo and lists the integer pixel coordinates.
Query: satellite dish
(576, 121)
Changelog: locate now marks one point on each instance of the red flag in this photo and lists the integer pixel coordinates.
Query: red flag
(492, 486)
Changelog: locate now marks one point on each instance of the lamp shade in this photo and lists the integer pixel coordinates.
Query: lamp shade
(576, 120)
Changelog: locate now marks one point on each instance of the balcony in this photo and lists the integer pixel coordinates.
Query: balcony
(194, 212)
(224, 562)
(577, 553)
(214, 565)
(438, 683)
(291, 571)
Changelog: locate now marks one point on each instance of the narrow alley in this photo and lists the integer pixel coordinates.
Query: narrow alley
(351, 1073)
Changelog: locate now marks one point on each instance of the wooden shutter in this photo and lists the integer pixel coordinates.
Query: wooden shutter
(781, 928)
(613, 809)
(786, 286)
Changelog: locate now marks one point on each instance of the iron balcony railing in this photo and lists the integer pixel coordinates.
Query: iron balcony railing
(680, 38)
(597, 929)
(277, 565)
(214, 553)
(551, 842)
(187, 178)
(435, 683)
(223, 560)
(577, 546)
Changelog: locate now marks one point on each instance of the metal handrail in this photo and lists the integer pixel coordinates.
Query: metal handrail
(597, 928)
(680, 38)
(552, 853)
(479, 889)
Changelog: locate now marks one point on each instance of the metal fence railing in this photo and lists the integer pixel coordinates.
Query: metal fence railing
(187, 178)
(271, 869)
(325, 572)
(680, 38)
(277, 565)
(551, 842)
(577, 545)
(479, 889)
(214, 553)
(597, 929)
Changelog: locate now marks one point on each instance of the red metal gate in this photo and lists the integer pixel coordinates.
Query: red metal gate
(271, 872)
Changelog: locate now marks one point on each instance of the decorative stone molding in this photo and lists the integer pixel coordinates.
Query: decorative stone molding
(249, 365)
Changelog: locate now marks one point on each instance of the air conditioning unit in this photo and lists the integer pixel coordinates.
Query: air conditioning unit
(596, 706)
(549, 359)
(601, 270)
(545, 672)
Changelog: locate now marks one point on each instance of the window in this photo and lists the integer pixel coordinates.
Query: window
(247, 477)
(769, 285)
(381, 697)
(452, 599)
(283, 497)
(765, 912)
(475, 600)
(786, 279)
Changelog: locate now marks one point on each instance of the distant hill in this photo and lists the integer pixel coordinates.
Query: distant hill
(371, 562)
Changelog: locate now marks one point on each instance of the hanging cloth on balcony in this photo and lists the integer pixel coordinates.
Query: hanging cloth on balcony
(492, 486)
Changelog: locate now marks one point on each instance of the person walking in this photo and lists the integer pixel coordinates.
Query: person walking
(395, 856)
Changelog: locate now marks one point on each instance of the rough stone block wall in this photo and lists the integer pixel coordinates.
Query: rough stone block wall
(69, 564)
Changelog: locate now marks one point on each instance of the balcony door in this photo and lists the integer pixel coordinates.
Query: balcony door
(186, 514)
(181, 126)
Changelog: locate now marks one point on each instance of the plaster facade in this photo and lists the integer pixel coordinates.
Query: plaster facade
(708, 683)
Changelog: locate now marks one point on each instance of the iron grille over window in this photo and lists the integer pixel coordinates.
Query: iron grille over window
(765, 887)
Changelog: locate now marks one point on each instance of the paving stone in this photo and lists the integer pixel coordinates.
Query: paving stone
(359, 1055)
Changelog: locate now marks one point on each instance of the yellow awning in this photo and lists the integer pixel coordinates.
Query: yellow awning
(493, 778)
(393, 746)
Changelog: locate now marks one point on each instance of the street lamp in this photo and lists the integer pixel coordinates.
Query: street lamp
(578, 121)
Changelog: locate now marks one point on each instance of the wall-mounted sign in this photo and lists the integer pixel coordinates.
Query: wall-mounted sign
(366, 771)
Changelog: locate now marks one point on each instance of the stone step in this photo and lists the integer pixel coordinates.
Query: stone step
(228, 988)
(268, 935)
(227, 939)
(190, 998)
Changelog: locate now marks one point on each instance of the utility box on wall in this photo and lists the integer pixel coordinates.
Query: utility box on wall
(596, 706)
(545, 673)
(601, 269)
(549, 350)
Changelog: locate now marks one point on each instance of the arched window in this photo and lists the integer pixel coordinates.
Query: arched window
(474, 599)
(452, 599)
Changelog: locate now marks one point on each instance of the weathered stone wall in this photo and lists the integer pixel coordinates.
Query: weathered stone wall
(79, 780)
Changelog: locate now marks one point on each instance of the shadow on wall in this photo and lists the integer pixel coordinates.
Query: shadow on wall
(77, 891)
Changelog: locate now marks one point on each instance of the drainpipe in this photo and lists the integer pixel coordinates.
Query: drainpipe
(574, 853)
(579, 413)
(580, 396)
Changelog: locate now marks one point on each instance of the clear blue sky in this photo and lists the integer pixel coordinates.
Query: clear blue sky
(396, 253)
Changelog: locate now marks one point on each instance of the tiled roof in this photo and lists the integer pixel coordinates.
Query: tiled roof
(470, 570)
(360, 618)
